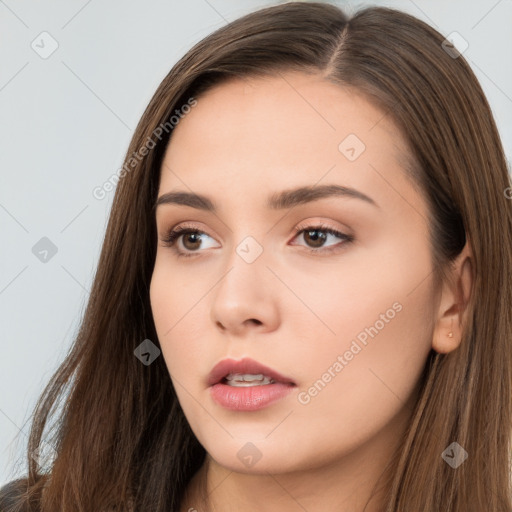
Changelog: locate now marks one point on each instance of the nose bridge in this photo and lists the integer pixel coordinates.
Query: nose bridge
(246, 265)
(246, 247)
(244, 293)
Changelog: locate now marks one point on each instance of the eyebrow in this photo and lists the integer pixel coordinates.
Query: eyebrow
(278, 201)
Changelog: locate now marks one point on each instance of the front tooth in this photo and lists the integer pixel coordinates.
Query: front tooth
(246, 379)
(251, 377)
(244, 376)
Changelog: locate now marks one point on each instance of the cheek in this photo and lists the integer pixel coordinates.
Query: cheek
(365, 386)
(380, 319)
(178, 314)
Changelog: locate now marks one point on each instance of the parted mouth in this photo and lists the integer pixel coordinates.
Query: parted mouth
(245, 371)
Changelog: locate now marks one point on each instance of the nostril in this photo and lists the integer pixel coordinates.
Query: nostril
(252, 320)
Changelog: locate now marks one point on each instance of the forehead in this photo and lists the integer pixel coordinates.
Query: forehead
(298, 101)
(274, 132)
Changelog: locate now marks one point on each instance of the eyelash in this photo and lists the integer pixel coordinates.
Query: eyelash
(172, 235)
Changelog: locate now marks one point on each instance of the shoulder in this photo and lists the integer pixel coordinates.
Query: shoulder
(11, 495)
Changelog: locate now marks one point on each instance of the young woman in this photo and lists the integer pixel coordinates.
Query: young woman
(303, 300)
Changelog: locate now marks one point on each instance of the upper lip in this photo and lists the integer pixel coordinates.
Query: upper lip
(245, 365)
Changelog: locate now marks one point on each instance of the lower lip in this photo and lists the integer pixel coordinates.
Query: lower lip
(249, 398)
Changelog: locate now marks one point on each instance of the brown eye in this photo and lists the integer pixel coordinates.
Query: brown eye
(316, 236)
(193, 240)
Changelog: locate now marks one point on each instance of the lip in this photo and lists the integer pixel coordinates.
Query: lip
(245, 365)
(247, 398)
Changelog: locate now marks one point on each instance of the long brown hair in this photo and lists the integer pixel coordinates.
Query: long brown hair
(121, 439)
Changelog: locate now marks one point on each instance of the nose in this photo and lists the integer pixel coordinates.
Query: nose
(246, 298)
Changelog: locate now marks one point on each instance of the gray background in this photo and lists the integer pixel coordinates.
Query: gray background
(66, 123)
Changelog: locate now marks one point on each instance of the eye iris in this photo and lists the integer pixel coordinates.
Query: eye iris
(318, 240)
(197, 240)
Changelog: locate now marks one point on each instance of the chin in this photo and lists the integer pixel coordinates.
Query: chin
(249, 455)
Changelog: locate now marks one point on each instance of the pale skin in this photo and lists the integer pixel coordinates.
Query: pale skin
(293, 310)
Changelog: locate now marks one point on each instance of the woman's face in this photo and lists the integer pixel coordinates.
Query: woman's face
(347, 317)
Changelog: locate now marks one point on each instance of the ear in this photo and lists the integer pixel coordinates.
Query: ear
(452, 310)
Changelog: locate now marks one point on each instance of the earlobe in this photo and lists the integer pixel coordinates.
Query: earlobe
(453, 311)
(446, 338)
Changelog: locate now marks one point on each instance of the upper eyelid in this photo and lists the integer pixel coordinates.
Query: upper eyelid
(320, 224)
(184, 227)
